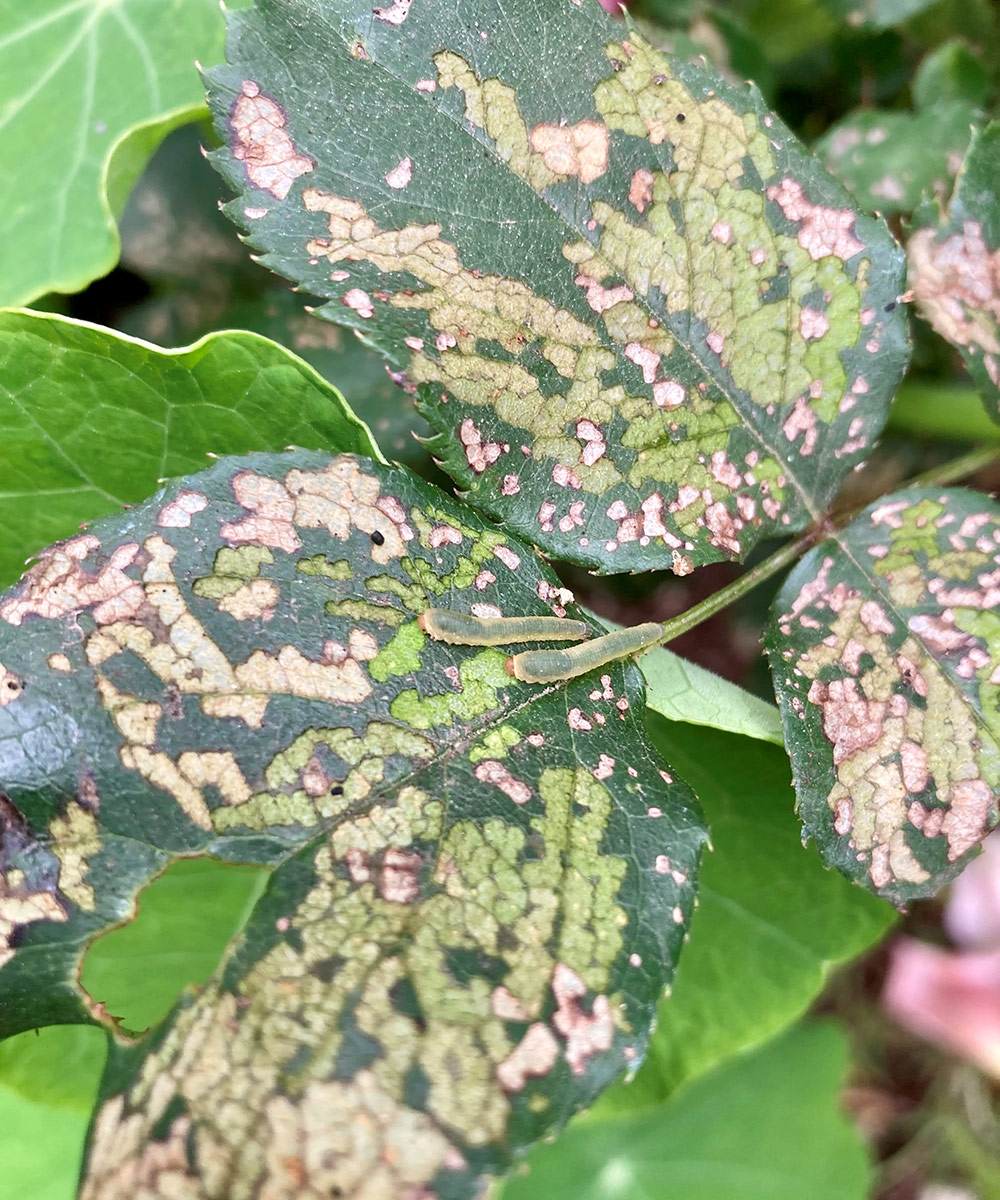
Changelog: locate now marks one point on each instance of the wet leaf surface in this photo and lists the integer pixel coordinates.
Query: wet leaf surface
(886, 659)
(481, 887)
(649, 328)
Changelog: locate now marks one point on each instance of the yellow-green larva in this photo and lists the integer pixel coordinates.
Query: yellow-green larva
(463, 629)
(551, 666)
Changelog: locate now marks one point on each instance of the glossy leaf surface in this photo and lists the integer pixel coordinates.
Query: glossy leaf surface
(481, 887)
(99, 84)
(885, 648)
(649, 328)
(955, 266)
(71, 390)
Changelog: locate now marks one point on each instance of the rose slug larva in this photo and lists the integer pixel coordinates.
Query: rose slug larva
(552, 666)
(463, 629)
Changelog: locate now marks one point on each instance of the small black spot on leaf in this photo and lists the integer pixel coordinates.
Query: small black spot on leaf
(378, 538)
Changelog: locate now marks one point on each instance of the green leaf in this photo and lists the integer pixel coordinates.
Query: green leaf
(186, 916)
(481, 886)
(950, 74)
(59, 1066)
(770, 923)
(641, 345)
(767, 1126)
(87, 90)
(946, 411)
(342, 357)
(889, 160)
(48, 1083)
(877, 14)
(70, 391)
(885, 648)
(41, 1147)
(954, 263)
(683, 691)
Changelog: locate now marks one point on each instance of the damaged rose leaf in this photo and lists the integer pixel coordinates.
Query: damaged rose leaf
(954, 265)
(480, 886)
(668, 335)
(885, 648)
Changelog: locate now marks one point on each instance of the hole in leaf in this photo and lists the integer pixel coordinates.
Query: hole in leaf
(185, 918)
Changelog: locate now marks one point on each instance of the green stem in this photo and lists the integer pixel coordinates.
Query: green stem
(739, 587)
(957, 468)
(949, 472)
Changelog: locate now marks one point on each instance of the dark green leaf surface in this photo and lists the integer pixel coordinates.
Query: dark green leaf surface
(649, 328)
(481, 886)
(954, 266)
(767, 1126)
(174, 236)
(770, 923)
(885, 648)
(87, 91)
(71, 390)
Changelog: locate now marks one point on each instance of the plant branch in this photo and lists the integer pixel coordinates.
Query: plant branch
(946, 473)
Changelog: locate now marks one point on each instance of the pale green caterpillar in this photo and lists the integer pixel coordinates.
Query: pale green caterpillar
(463, 629)
(551, 666)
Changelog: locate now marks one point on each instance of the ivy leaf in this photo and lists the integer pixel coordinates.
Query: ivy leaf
(885, 648)
(954, 262)
(97, 85)
(766, 1126)
(648, 327)
(69, 390)
(481, 886)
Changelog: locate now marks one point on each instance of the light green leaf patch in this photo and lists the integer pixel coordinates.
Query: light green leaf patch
(649, 329)
(683, 691)
(767, 1126)
(71, 390)
(87, 90)
(885, 649)
(954, 265)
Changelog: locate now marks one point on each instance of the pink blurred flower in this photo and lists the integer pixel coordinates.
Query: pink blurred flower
(613, 6)
(950, 999)
(972, 915)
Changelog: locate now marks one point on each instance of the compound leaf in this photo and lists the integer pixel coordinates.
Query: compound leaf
(87, 90)
(648, 327)
(954, 262)
(480, 886)
(885, 648)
